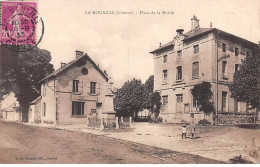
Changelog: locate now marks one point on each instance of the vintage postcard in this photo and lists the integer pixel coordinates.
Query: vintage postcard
(129, 82)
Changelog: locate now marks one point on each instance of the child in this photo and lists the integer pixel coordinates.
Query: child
(183, 131)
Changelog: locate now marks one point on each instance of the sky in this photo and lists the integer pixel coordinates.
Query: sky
(120, 44)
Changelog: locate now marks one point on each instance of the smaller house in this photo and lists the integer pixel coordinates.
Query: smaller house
(35, 111)
(75, 93)
(12, 113)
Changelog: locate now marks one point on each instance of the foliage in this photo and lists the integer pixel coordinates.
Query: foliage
(20, 73)
(203, 94)
(204, 122)
(135, 96)
(246, 82)
(152, 100)
(128, 100)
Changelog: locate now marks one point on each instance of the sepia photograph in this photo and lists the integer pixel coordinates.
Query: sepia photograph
(129, 82)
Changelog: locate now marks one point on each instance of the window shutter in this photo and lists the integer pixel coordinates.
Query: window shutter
(98, 88)
(71, 86)
(81, 87)
(88, 87)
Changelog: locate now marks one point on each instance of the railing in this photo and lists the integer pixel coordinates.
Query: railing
(94, 122)
(124, 122)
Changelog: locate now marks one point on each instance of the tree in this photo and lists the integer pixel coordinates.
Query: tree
(204, 96)
(128, 100)
(246, 81)
(152, 100)
(20, 73)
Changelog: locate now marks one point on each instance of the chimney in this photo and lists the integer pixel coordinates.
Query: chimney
(211, 24)
(179, 31)
(62, 64)
(195, 23)
(79, 53)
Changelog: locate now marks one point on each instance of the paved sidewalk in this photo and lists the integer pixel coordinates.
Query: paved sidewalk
(215, 142)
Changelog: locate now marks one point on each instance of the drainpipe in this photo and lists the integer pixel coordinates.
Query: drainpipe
(217, 78)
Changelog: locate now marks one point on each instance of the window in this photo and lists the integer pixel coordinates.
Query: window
(179, 73)
(195, 70)
(165, 75)
(224, 101)
(235, 106)
(236, 51)
(224, 47)
(99, 105)
(44, 89)
(224, 69)
(77, 108)
(179, 98)
(196, 49)
(179, 53)
(195, 102)
(93, 87)
(165, 100)
(236, 67)
(75, 86)
(165, 59)
(247, 107)
(44, 109)
(84, 71)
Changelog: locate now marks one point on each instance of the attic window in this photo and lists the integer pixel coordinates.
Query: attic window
(84, 71)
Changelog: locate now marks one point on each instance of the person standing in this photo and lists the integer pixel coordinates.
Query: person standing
(183, 131)
(192, 126)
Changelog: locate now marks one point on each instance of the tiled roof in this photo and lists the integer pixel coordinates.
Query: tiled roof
(201, 31)
(187, 35)
(66, 66)
(11, 107)
(196, 32)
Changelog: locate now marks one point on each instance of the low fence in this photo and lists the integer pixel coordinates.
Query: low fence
(124, 122)
(236, 118)
(110, 123)
(94, 122)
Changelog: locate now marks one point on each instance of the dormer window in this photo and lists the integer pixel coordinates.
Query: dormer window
(196, 49)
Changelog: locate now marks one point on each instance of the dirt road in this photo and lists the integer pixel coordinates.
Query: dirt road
(21, 143)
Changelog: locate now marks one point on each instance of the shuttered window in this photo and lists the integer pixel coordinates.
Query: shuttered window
(93, 87)
(195, 70)
(75, 86)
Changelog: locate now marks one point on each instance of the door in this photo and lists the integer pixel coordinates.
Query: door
(179, 103)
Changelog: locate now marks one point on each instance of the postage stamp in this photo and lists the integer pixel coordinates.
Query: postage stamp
(22, 29)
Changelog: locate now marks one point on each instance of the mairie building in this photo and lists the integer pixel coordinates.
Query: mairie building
(201, 54)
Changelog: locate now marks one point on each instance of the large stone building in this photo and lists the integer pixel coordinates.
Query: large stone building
(201, 54)
(72, 94)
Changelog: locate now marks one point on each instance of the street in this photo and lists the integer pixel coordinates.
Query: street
(20, 143)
